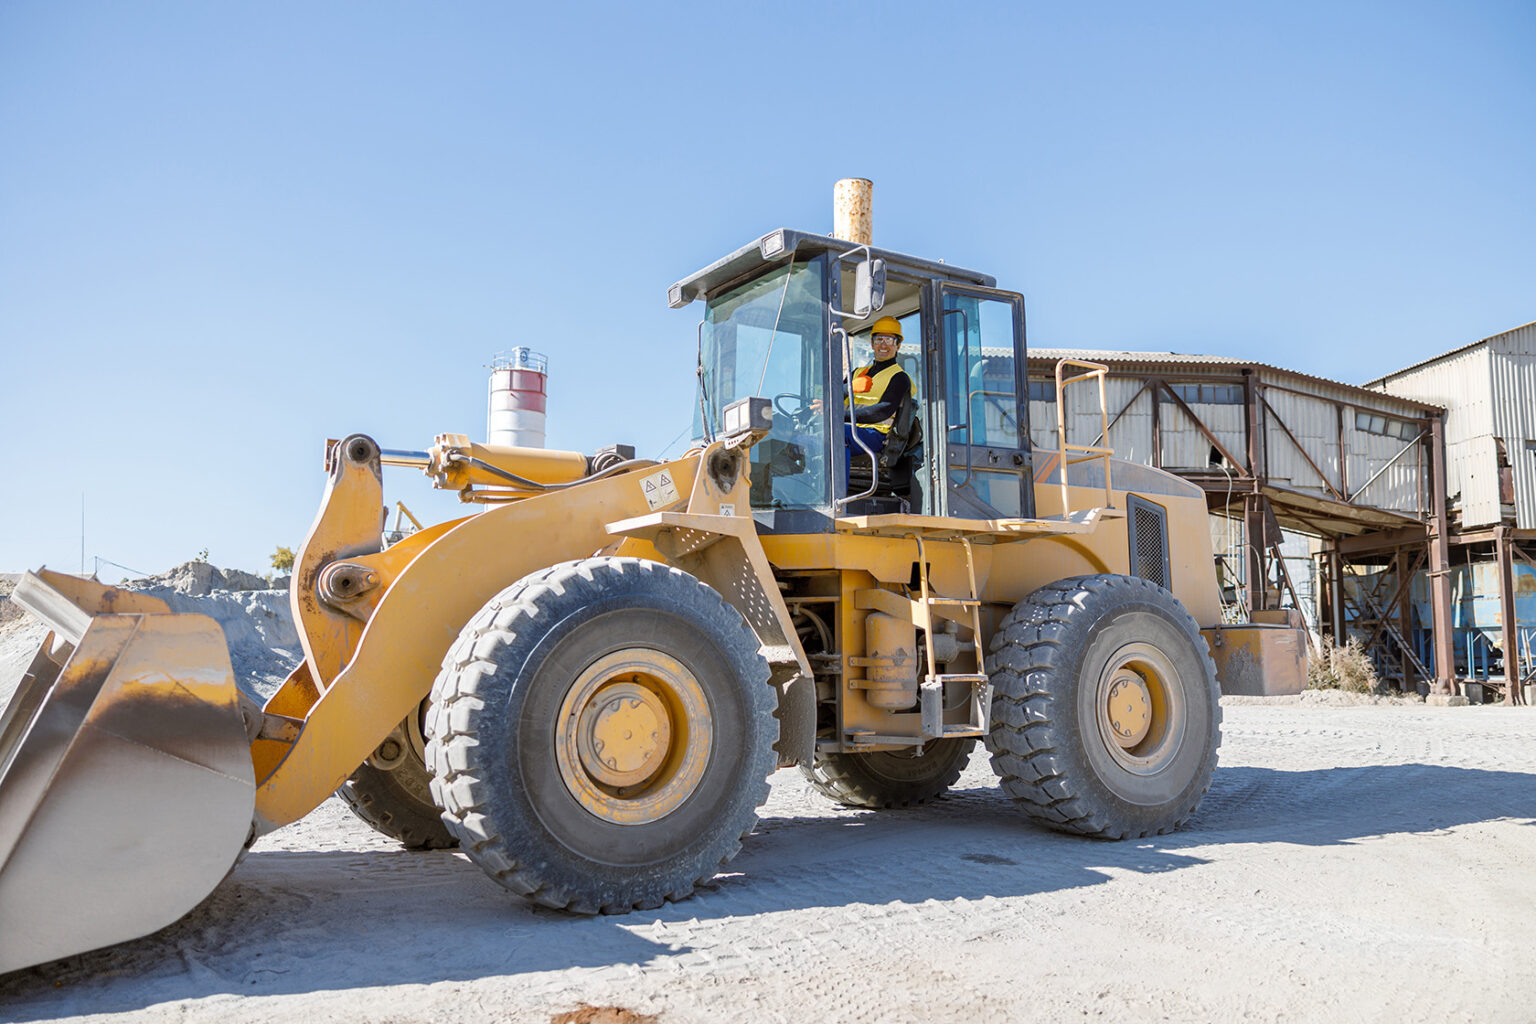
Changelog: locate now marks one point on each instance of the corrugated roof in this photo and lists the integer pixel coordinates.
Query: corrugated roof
(1445, 355)
(1104, 355)
(1190, 359)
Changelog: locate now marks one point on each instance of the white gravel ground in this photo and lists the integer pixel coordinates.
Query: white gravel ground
(1373, 863)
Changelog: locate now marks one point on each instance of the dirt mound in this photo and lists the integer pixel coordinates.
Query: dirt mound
(253, 612)
(198, 579)
(9, 610)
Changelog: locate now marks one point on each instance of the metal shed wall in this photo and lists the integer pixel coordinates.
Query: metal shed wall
(1512, 359)
(1315, 422)
(1318, 412)
(1321, 414)
(1462, 381)
(1400, 483)
(1184, 447)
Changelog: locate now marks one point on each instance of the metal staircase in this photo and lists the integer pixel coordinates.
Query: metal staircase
(1366, 614)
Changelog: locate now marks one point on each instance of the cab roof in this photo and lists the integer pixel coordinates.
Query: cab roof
(779, 244)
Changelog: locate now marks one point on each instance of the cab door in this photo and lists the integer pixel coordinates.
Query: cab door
(982, 434)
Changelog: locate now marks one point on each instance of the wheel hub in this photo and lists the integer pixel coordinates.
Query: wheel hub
(633, 736)
(1129, 709)
(623, 735)
(1139, 705)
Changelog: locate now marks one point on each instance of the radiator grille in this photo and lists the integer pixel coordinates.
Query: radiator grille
(1149, 541)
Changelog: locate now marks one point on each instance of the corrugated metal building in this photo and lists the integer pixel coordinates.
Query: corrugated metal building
(1277, 449)
(1334, 459)
(1488, 389)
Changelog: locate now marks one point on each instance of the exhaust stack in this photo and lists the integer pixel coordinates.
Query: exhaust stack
(852, 204)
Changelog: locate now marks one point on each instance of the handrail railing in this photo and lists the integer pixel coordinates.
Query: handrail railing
(1083, 452)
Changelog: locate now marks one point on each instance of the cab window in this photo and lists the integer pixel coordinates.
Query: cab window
(765, 338)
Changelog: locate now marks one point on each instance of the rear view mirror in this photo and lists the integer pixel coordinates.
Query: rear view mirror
(868, 287)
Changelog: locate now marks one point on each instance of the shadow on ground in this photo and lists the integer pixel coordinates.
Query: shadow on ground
(287, 922)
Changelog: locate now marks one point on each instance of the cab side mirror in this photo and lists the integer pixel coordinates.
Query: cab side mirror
(868, 287)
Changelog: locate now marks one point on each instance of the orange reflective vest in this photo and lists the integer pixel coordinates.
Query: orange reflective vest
(869, 390)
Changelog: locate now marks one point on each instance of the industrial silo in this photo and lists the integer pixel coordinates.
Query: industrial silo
(516, 414)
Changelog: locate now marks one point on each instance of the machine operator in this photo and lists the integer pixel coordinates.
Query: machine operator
(878, 391)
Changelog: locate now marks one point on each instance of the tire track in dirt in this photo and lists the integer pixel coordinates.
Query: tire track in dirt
(1335, 848)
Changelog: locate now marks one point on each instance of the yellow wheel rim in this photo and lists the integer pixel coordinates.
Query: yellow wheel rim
(633, 736)
(1140, 708)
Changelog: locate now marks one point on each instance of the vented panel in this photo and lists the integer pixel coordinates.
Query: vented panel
(1148, 526)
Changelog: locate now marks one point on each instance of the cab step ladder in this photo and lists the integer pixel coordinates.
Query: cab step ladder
(967, 612)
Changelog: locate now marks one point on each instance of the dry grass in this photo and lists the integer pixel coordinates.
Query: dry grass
(1346, 668)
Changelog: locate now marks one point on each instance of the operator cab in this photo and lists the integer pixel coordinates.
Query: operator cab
(780, 322)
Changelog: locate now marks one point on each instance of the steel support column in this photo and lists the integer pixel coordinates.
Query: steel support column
(1253, 548)
(1440, 563)
(1404, 612)
(1336, 593)
(1253, 503)
(1510, 638)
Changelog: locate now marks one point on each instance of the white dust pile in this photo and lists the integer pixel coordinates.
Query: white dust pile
(253, 612)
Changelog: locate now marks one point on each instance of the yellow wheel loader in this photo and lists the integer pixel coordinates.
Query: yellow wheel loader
(585, 683)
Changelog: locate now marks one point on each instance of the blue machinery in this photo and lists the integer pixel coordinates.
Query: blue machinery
(1476, 622)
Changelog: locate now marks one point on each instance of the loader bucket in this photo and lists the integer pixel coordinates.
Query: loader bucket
(126, 788)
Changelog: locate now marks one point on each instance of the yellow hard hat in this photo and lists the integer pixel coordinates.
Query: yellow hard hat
(886, 325)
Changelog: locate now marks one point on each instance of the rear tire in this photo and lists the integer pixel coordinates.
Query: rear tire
(397, 802)
(890, 778)
(1105, 711)
(601, 735)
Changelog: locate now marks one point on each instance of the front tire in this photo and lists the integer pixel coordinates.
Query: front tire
(1105, 711)
(601, 735)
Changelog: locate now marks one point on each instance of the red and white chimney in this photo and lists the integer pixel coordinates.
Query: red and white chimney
(516, 415)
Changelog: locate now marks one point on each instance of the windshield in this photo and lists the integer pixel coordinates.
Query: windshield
(766, 338)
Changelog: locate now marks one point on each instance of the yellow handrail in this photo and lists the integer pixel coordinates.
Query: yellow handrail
(1085, 452)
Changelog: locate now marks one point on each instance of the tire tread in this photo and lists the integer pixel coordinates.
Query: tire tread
(458, 769)
(1030, 725)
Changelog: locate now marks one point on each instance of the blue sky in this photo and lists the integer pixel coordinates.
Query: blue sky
(230, 231)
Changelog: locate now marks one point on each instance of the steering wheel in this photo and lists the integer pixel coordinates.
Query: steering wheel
(778, 401)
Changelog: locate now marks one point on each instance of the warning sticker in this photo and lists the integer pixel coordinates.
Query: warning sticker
(659, 489)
